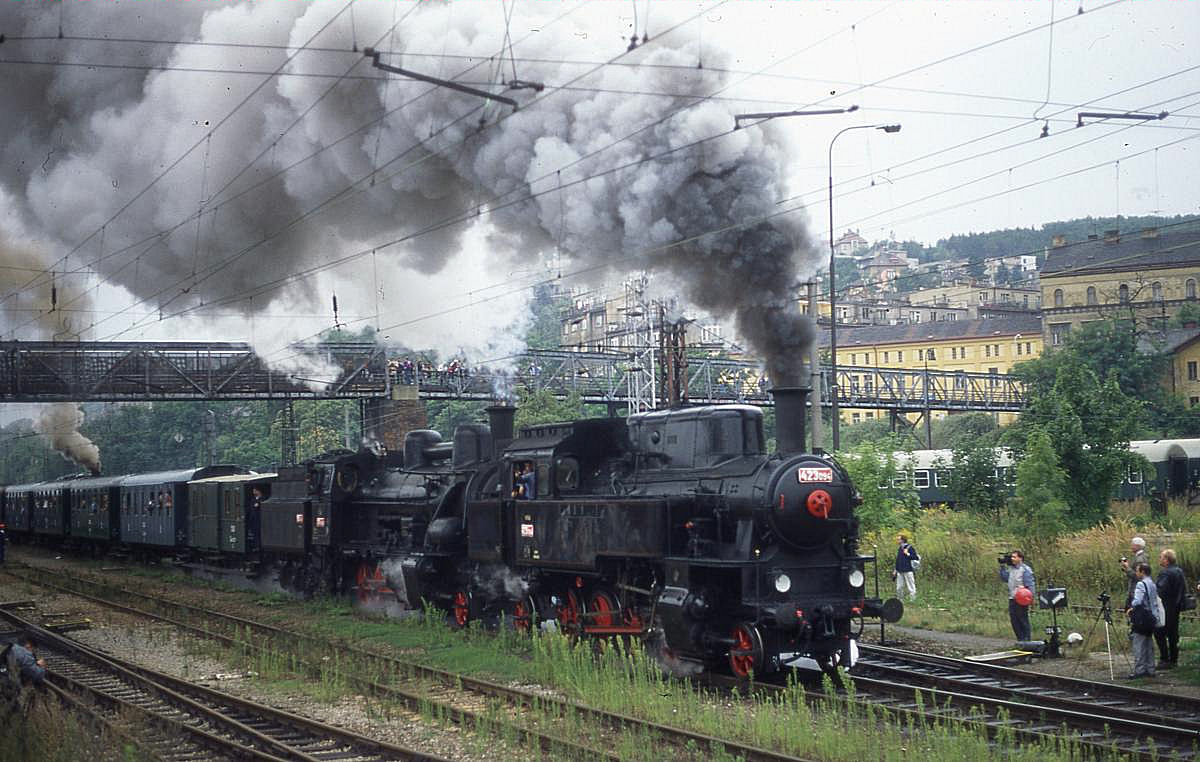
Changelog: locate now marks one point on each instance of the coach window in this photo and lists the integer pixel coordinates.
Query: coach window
(1123, 293)
(1190, 288)
(900, 479)
(1135, 475)
(1091, 295)
(921, 478)
(1156, 291)
(1058, 297)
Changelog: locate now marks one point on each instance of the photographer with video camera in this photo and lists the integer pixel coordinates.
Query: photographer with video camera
(1019, 577)
(1137, 546)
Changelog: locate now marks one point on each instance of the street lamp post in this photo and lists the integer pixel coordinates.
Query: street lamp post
(833, 385)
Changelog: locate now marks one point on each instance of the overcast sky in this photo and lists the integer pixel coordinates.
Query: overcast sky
(103, 169)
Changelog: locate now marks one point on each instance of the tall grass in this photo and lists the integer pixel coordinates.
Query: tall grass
(962, 549)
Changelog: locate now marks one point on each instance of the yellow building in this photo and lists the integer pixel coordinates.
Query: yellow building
(1145, 277)
(991, 345)
(1183, 375)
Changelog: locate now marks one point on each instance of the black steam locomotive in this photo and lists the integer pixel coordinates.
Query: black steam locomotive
(674, 523)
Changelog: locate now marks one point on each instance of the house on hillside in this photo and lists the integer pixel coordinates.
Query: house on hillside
(849, 244)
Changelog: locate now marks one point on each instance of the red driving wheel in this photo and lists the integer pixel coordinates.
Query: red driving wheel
(522, 616)
(745, 655)
(603, 607)
(461, 609)
(360, 582)
(568, 612)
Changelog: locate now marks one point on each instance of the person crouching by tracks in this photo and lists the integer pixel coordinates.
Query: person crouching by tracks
(1019, 576)
(22, 668)
(23, 663)
(1143, 620)
(907, 562)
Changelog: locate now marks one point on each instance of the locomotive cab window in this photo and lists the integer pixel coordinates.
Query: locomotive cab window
(1135, 475)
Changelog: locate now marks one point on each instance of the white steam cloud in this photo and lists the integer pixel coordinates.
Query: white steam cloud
(35, 307)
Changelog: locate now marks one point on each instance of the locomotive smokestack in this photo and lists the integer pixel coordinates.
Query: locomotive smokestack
(500, 418)
(789, 418)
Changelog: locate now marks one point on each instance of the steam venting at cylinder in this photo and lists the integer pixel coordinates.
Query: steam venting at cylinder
(790, 411)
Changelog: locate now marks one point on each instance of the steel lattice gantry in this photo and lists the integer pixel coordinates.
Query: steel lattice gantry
(100, 371)
(120, 371)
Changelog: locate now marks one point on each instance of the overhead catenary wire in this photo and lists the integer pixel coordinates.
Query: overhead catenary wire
(826, 38)
(1028, 141)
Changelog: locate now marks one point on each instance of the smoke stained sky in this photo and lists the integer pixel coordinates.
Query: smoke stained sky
(86, 140)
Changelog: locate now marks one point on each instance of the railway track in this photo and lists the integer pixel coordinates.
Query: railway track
(1002, 702)
(183, 722)
(677, 742)
(1141, 723)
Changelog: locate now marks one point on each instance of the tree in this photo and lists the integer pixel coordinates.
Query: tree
(541, 406)
(445, 416)
(876, 430)
(956, 431)
(1188, 313)
(1089, 423)
(887, 492)
(1040, 505)
(975, 482)
(545, 329)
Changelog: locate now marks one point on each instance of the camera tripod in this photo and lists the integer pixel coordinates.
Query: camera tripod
(1105, 615)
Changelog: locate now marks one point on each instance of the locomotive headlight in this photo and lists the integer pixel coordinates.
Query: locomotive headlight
(783, 583)
(856, 578)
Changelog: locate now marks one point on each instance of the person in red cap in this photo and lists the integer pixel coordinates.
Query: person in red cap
(1019, 577)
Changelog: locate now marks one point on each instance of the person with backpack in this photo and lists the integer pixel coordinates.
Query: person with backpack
(1143, 621)
(907, 562)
